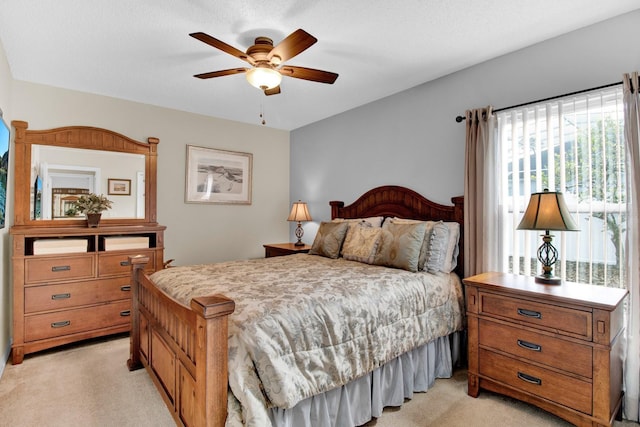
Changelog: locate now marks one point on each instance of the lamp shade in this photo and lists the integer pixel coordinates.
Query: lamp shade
(547, 211)
(263, 77)
(299, 212)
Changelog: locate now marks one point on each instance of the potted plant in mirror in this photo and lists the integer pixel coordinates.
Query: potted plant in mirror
(92, 205)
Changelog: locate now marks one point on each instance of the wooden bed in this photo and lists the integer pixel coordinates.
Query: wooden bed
(184, 349)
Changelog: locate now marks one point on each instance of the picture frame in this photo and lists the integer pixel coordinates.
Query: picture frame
(118, 187)
(218, 176)
(4, 168)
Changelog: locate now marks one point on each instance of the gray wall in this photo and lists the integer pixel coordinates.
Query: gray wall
(411, 138)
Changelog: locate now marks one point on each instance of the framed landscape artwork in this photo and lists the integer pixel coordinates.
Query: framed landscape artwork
(4, 168)
(218, 176)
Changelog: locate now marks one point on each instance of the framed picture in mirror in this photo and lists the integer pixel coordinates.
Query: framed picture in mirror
(119, 187)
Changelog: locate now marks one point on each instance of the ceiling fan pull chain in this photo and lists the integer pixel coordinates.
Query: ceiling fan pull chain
(263, 121)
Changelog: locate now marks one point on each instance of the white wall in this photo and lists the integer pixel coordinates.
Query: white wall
(412, 139)
(196, 233)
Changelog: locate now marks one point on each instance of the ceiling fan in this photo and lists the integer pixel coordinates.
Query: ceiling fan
(267, 61)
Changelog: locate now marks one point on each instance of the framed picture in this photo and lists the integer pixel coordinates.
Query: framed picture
(4, 168)
(119, 187)
(218, 176)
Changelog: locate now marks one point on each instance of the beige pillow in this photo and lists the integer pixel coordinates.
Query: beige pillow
(361, 243)
(329, 239)
(400, 245)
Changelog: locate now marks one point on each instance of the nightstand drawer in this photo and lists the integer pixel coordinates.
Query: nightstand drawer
(536, 347)
(59, 268)
(562, 389)
(567, 321)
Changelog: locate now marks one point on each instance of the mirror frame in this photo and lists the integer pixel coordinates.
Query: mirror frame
(91, 138)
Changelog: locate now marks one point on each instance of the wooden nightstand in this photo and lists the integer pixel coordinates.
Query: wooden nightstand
(279, 249)
(557, 347)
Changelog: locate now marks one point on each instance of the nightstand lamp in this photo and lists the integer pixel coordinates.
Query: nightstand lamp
(299, 213)
(547, 211)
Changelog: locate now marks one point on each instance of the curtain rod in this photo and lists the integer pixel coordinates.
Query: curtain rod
(461, 118)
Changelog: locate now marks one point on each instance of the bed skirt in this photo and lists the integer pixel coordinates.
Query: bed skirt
(361, 400)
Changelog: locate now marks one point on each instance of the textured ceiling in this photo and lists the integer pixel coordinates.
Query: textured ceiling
(141, 51)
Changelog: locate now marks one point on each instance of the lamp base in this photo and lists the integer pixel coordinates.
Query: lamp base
(299, 243)
(548, 280)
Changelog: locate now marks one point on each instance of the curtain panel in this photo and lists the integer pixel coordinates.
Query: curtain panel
(631, 98)
(480, 181)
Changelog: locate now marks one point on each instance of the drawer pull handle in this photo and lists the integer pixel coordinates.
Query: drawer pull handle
(529, 346)
(529, 313)
(60, 268)
(530, 379)
(124, 263)
(60, 296)
(125, 288)
(61, 324)
(125, 313)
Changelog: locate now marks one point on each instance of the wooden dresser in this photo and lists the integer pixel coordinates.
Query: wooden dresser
(70, 281)
(557, 347)
(65, 297)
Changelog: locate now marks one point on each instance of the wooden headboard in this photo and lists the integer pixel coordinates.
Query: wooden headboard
(393, 200)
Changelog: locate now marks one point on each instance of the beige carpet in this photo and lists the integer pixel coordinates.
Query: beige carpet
(89, 385)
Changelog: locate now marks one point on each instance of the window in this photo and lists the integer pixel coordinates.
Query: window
(574, 145)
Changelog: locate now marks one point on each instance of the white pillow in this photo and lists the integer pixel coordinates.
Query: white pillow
(372, 221)
(451, 257)
(437, 248)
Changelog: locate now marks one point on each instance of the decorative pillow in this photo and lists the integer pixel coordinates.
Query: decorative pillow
(399, 245)
(329, 239)
(451, 257)
(437, 249)
(372, 221)
(361, 243)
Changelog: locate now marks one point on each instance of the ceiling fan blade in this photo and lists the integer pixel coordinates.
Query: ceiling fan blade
(292, 45)
(272, 91)
(220, 73)
(308, 74)
(218, 44)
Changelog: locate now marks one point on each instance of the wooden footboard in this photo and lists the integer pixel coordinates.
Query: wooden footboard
(183, 349)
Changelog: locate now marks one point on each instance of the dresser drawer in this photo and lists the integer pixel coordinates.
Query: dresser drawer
(117, 264)
(66, 295)
(562, 389)
(59, 268)
(536, 347)
(572, 322)
(42, 326)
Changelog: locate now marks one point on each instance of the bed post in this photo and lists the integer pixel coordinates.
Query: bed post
(210, 406)
(137, 264)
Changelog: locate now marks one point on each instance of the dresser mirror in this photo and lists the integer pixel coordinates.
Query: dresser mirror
(54, 167)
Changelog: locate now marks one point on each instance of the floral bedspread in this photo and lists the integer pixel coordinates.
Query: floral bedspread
(305, 324)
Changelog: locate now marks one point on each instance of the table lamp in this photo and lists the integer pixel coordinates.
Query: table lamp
(299, 213)
(547, 211)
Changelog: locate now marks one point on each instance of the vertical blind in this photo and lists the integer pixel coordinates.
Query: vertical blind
(574, 145)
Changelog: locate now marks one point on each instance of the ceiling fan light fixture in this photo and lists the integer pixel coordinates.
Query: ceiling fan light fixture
(263, 77)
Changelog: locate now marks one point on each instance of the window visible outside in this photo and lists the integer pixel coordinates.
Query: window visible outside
(576, 146)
